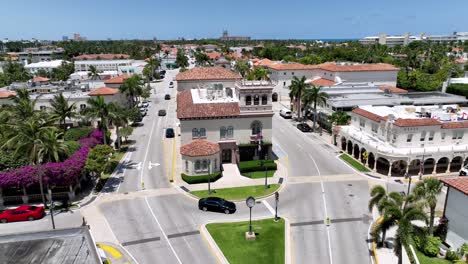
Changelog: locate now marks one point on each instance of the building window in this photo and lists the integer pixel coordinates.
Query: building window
(423, 136)
(228, 92)
(292, 73)
(216, 164)
(409, 138)
(202, 133)
(230, 132)
(197, 165)
(186, 166)
(442, 136)
(394, 137)
(222, 132)
(256, 127)
(248, 100)
(459, 134)
(454, 135)
(431, 135)
(256, 99)
(375, 127)
(264, 99)
(284, 73)
(194, 133)
(362, 122)
(205, 165)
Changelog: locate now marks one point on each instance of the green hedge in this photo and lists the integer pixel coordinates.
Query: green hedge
(458, 88)
(201, 178)
(75, 134)
(256, 165)
(73, 145)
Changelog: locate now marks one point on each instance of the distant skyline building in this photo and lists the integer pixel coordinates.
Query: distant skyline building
(78, 37)
(403, 40)
(226, 37)
(64, 38)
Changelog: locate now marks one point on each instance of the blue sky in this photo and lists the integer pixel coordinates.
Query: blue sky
(305, 19)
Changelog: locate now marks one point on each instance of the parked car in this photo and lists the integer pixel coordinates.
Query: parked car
(145, 104)
(171, 85)
(285, 113)
(216, 204)
(464, 171)
(143, 111)
(170, 132)
(162, 112)
(167, 97)
(22, 213)
(304, 127)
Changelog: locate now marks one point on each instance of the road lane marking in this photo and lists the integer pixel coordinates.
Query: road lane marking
(191, 233)
(162, 231)
(146, 152)
(140, 241)
(268, 206)
(317, 222)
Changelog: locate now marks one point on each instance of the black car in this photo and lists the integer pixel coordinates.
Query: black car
(162, 112)
(304, 127)
(167, 97)
(170, 133)
(216, 204)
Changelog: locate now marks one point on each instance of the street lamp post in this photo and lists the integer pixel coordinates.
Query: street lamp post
(209, 176)
(51, 207)
(276, 206)
(266, 172)
(250, 203)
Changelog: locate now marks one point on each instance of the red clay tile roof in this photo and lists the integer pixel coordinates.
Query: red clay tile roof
(460, 184)
(332, 66)
(102, 57)
(117, 80)
(368, 114)
(207, 73)
(263, 62)
(393, 89)
(291, 66)
(451, 125)
(198, 148)
(321, 82)
(213, 55)
(187, 109)
(7, 94)
(40, 79)
(103, 91)
(403, 122)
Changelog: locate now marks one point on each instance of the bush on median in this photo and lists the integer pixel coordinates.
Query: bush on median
(201, 178)
(256, 165)
(77, 133)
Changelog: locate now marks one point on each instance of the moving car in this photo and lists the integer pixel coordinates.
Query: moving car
(167, 97)
(22, 213)
(216, 204)
(171, 85)
(304, 127)
(285, 113)
(162, 112)
(464, 171)
(170, 132)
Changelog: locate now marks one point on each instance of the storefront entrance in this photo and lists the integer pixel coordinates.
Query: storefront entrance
(226, 156)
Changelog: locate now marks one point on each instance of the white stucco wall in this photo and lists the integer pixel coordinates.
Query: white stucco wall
(376, 77)
(188, 164)
(187, 85)
(457, 215)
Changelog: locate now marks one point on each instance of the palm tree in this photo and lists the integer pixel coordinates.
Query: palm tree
(132, 88)
(313, 96)
(23, 106)
(119, 117)
(297, 88)
(93, 73)
(382, 201)
(61, 108)
(339, 118)
(427, 191)
(98, 108)
(52, 147)
(242, 67)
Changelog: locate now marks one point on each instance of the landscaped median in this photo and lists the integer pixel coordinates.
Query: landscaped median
(268, 247)
(201, 178)
(238, 193)
(354, 163)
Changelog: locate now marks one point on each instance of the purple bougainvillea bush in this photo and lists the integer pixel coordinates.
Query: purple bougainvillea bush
(58, 173)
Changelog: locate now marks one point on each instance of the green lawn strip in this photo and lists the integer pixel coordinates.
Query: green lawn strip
(423, 259)
(258, 174)
(356, 164)
(268, 247)
(238, 193)
(117, 156)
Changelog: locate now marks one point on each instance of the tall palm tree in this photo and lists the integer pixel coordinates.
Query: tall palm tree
(382, 201)
(132, 88)
(313, 96)
(119, 117)
(427, 191)
(339, 118)
(297, 88)
(61, 108)
(93, 73)
(52, 147)
(22, 107)
(99, 109)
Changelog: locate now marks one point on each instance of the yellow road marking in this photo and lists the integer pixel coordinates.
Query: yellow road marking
(114, 252)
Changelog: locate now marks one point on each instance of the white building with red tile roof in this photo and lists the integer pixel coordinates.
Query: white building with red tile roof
(231, 118)
(200, 77)
(455, 211)
(407, 139)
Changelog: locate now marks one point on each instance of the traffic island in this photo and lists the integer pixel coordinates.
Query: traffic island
(239, 193)
(268, 246)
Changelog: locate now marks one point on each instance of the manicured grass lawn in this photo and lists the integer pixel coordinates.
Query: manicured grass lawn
(268, 247)
(356, 164)
(423, 259)
(239, 193)
(118, 155)
(258, 174)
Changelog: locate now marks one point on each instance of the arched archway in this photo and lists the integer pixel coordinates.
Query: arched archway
(363, 155)
(356, 151)
(442, 165)
(382, 166)
(414, 167)
(371, 160)
(350, 147)
(343, 143)
(399, 168)
(456, 164)
(428, 167)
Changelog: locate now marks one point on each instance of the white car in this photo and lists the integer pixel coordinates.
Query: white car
(464, 171)
(145, 104)
(143, 111)
(285, 113)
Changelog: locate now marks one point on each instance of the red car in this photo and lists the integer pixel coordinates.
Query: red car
(22, 213)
